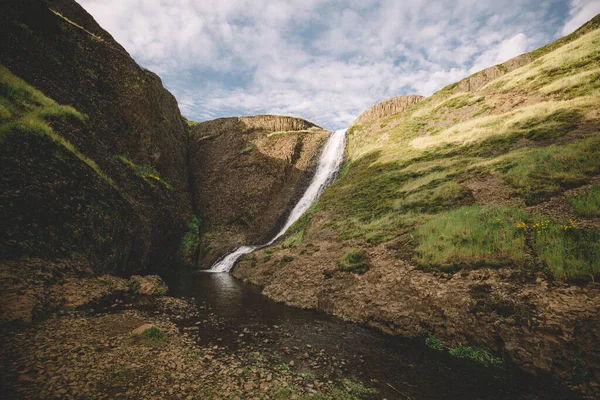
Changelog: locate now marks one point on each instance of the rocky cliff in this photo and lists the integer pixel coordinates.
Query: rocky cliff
(102, 174)
(54, 204)
(388, 108)
(248, 173)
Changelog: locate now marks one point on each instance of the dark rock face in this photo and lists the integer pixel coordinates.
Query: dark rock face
(248, 174)
(56, 206)
(131, 212)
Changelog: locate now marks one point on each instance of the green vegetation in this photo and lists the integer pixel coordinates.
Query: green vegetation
(554, 125)
(433, 342)
(287, 259)
(76, 25)
(477, 354)
(25, 110)
(295, 233)
(566, 250)
(147, 173)
(191, 239)
(471, 237)
(411, 181)
(587, 203)
(567, 71)
(354, 260)
(247, 149)
(537, 173)
(293, 241)
(152, 337)
(461, 101)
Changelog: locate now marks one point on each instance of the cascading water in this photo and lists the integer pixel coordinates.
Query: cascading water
(331, 159)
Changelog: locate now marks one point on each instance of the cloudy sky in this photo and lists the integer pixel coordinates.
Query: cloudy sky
(324, 60)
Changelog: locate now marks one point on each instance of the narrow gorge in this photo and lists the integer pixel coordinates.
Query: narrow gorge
(445, 246)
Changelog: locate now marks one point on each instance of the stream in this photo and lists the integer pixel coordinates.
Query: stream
(397, 367)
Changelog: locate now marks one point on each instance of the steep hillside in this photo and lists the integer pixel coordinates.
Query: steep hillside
(248, 174)
(107, 178)
(471, 218)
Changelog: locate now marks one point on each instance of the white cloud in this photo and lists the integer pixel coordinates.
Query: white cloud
(581, 11)
(324, 60)
(505, 50)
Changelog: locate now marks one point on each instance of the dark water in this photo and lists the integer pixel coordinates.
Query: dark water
(399, 368)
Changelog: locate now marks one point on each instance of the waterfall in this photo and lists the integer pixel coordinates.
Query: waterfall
(329, 163)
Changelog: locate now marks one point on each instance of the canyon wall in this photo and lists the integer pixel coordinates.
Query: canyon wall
(248, 173)
(388, 108)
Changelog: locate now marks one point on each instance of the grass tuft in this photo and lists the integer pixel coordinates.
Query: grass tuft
(587, 203)
(247, 149)
(354, 260)
(477, 354)
(152, 337)
(433, 342)
(471, 237)
(147, 173)
(568, 251)
(24, 109)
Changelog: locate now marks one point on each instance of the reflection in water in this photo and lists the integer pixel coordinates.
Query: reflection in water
(404, 364)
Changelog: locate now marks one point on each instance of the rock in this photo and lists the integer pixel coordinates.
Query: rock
(282, 152)
(150, 285)
(388, 107)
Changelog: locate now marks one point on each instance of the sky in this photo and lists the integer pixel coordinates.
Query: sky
(324, 60)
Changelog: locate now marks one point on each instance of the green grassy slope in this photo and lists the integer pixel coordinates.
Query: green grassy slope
(498, 176)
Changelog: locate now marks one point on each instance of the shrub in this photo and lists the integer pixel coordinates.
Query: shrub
(191, 239)
(152, 337)
(433, 342)
(354, 260)
(478, 354)
(287, 259)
